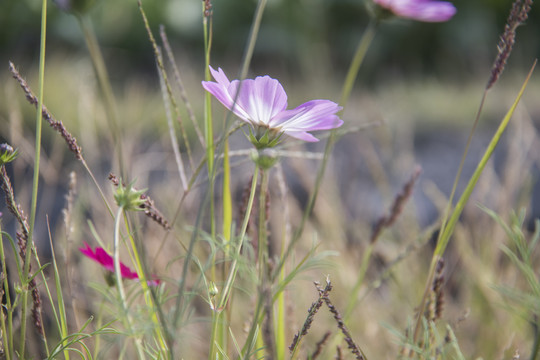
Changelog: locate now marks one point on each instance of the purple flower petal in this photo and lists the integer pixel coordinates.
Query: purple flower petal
(262, 102)
(310, 116)
(262, 98)
(421, 10)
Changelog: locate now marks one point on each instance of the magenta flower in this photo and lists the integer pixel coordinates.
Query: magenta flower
(421, 10)
(102, 257)
(262, 103)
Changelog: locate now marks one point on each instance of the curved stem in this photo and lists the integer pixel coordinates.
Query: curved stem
(7, 331)
(143, 280)
(359, 56)
(226, 292)
(119, 284)
(35, 183)
(253, 33)
(263, 265)
(446, 232)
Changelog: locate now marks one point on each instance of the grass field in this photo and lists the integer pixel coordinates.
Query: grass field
(329, 249)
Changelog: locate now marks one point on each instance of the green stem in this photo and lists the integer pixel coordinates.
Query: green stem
(143, 280)
(6, 331)
(262, 260)
(263, 235)
(253, 33)
(30, 241)
(257, 319)
(119, 284)
(61, 314)
(225, 294)
(448, 230)
(359, 56)
(227, 198)
(208, 128)
(279, 331)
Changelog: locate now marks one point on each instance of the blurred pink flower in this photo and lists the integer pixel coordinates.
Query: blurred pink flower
(421, 10)
(262, 103)
(102, 257)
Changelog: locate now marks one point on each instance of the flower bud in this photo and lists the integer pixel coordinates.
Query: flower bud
(7, 154)
(213, 289)
(129, 198)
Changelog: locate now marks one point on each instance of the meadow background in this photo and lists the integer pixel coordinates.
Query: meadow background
(414, 104)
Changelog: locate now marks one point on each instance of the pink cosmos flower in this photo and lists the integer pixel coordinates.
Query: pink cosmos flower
(102, 257)
(421, 10)
(262, 103)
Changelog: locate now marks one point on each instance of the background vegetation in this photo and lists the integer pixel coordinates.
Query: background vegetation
(418, 93)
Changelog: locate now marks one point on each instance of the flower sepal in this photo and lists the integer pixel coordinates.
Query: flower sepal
(128, 197)
(265, 137)
(7, 154)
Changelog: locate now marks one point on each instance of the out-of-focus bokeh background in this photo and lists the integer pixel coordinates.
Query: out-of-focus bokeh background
(421, 83)
(298, 38)
(419, 78)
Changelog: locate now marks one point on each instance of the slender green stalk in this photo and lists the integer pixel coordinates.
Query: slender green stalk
(280, 322)
(279, 329)
(461, 164)
(6, 331)
(358, 58)
(227, 208)
(357, 61)
(263, 235)
(143, 280)
(226, 291)
(226, 231)
(208, 128)
(253, 334)
(263, 261)
(30, 241)
(120, 285)
(444, 238)
(253, 33)
(227, 198)
(63, 327)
